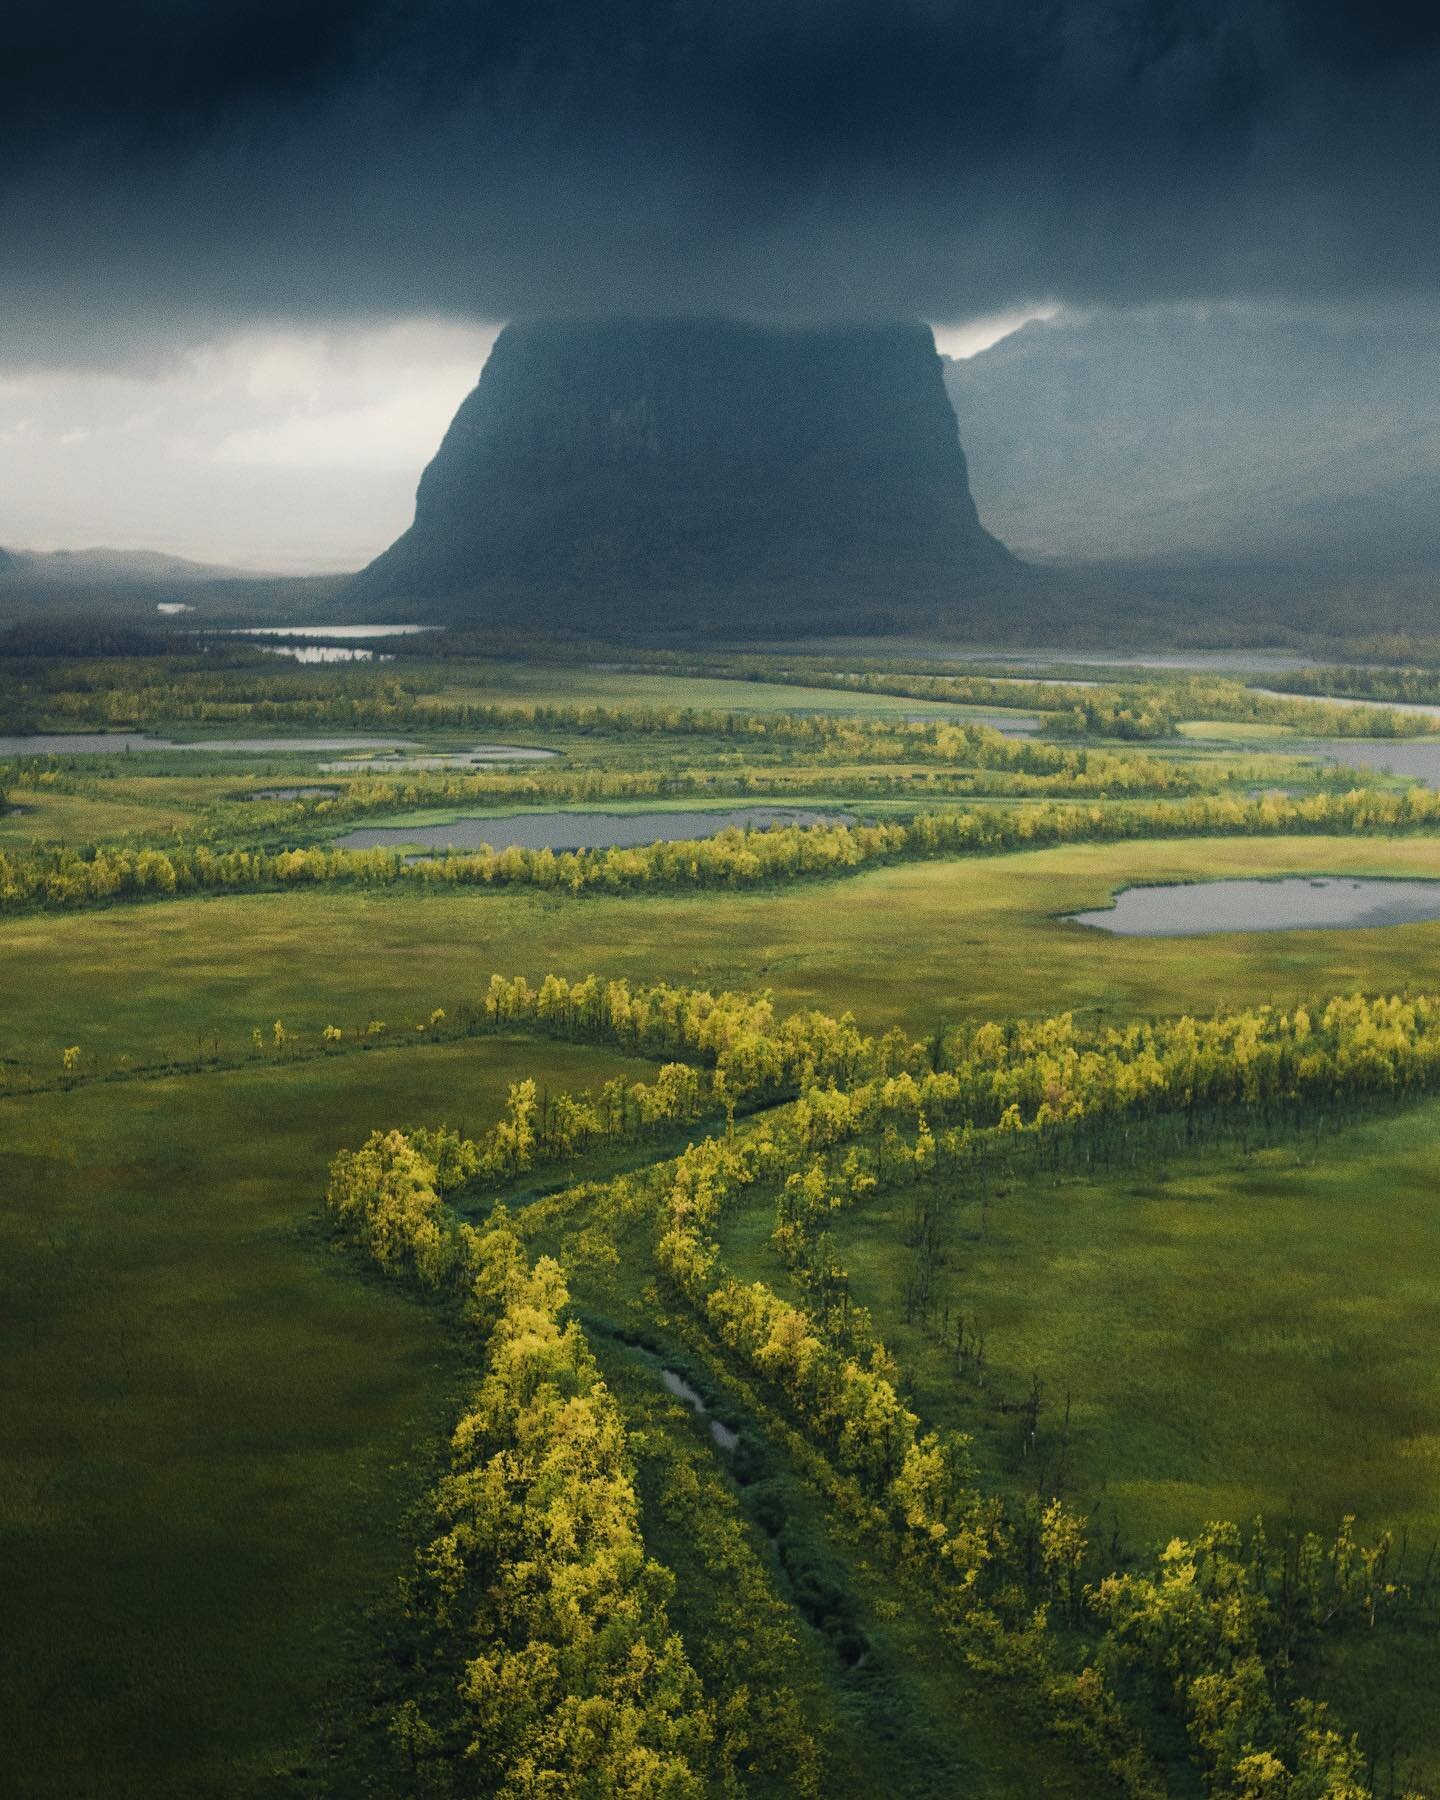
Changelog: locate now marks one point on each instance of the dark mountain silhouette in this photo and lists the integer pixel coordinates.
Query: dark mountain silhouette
(697, 474)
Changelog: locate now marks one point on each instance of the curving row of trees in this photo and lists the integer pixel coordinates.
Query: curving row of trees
(550, 1619)
(1213, 1628)
(732, 859)
(1408, 686)
(572, 1679)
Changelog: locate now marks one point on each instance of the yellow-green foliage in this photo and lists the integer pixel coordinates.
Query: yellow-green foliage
(1213, 1625)
(1153, 708)
(387, 1195)
(1206, 1624)
(732, 859)
(573, 1681)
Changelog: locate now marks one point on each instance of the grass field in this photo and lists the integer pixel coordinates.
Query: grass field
(949, 940)
(220, 1426)
(1237, 1330)
(1218, 1333)
(82, 818)
(214, 1425)
(596, 686)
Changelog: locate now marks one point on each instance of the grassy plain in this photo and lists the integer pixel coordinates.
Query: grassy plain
(47, 817)
(221, 1426)
(975, 938)
(513, 685)
(1237, 1329)
(214, 1424)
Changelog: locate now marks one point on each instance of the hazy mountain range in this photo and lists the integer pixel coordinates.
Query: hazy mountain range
(105, 568)
(1218, 435)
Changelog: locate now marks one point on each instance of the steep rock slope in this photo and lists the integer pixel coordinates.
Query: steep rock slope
(697, 473)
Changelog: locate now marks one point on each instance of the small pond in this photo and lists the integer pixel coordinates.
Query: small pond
(291, 793)
(322, 653)
(328, 631)
(581, 830)
(483, 756)
(1418, 763)
(1007, 724)
(1294, 903)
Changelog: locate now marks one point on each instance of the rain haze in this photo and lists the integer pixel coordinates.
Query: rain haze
(255, 255)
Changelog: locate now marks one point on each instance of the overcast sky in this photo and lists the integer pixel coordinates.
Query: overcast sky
(249, 249)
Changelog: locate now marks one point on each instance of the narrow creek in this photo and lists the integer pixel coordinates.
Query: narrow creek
(682, 1390)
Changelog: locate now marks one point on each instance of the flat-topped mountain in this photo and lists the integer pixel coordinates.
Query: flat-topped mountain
(697, 474)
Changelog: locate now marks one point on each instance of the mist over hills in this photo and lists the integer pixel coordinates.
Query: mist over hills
(103, 568)
(104, 586)
(697, 475)
(1299, 444)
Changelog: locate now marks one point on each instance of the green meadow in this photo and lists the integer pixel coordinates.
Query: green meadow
(223, 1423)
(215, 1425)
(911, 945)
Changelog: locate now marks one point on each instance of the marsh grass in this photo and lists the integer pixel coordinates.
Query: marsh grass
(215, 1423)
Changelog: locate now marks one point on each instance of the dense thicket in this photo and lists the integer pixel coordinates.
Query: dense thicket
(537, 1590)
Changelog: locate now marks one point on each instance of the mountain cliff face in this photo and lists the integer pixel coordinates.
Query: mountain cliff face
(696, 474)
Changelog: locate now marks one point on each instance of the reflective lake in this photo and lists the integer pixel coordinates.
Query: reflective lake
(581, 830)
(1294, 903)
(322, 653)
(329, 631)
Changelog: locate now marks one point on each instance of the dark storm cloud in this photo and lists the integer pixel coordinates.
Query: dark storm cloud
(175, 165)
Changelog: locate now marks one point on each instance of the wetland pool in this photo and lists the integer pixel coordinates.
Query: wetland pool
(482, 756)
(582, 830)
(1292, 903)
(1416, 762)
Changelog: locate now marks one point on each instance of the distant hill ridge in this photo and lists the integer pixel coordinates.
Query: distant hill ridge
(102, 567)
(1230, 433)
(696, 474)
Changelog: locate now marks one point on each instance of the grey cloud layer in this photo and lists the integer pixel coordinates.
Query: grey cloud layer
(169, 166)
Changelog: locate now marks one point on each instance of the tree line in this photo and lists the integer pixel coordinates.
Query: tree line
(1214, 1626)
(558, 1668)
(734, 858)
(1411, 686)
(146, 691)
(1152, 708)
(1224, 1654)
